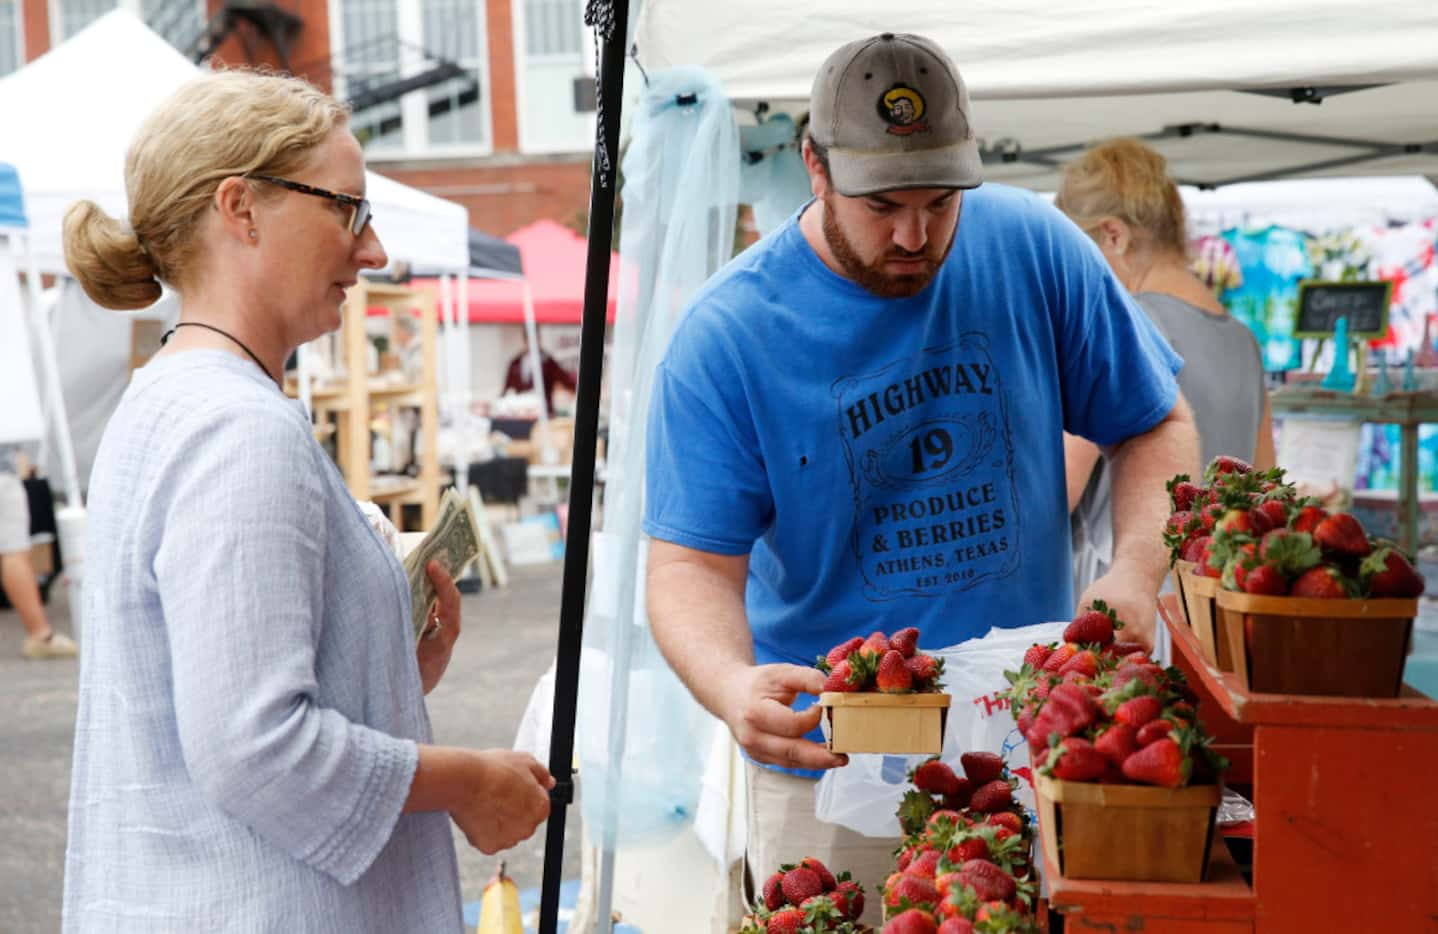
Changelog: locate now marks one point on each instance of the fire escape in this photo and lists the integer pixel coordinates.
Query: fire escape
(378, 69)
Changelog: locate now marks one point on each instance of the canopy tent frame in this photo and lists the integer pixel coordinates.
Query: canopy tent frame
(1010, 151)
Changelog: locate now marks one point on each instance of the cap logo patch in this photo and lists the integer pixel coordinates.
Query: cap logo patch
(902, 108)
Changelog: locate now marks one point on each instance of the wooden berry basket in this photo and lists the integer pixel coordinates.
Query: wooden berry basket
(1133, 833)
(898, 724)
(1295, 645)
(1197, 595)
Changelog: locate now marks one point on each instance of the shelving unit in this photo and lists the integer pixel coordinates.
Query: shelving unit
(1346, 817)
(353, 400)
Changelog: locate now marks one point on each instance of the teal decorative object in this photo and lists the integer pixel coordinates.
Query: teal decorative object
(1341, 378)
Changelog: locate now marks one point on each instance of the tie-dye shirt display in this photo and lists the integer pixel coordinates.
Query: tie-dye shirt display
(1274, 260)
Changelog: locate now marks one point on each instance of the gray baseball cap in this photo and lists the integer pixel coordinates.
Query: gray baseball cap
(894, 113)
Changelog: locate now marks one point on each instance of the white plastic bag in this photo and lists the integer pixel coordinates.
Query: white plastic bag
(864, 795)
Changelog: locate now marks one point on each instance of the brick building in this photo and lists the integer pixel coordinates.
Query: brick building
(471, 100)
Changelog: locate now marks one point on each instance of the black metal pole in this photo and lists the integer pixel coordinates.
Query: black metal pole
(612, 22)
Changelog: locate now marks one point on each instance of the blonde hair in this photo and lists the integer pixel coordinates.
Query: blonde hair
(1123, 178)
(222, 125)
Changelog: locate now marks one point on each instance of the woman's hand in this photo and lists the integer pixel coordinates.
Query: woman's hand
(442, 631)
(504, 802)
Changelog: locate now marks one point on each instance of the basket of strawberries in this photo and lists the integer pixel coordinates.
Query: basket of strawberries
(963, 865)
(1291, 598)
(806, 898)
(883, 695)
(1126, 782)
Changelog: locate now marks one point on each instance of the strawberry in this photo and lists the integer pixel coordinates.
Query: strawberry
(826, 878)
(894, 676)
(1153, 731)
(849, 897)
(843, 650)
(1341, 534)
(905, 641)
(1266, 580)
(1076, 760)
(997, 795)
(919, 891)
(1209, 515)
(1387, 573)
(935, 776)
(1069, 710)
(913, 921)
(1276, 511)
(925, 670)
(982, 767)
(1094, 625)
(1223, 464)
(1242, 558)
(1235, 521)
(1162, 763)
(1084, 663)
(1182, 492)
(1006, 819)
(1037, 655)
(989, 882)
(844, 678)
(1060, 656)
(970, 847)
(1138, 711)
(821, 912)
(773, 893)
(944, 819)
(1123, 649)
(1308, 518)
(1323, 582)
(960, 798)
(1147, 672)
(1259, 521)
(925, 865)
(799, 883)
(1193, 548)
(871, 650)
(787, 921)
(1117, 743)
(956, 926)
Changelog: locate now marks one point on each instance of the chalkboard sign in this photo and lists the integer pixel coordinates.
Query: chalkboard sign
(1364, 304)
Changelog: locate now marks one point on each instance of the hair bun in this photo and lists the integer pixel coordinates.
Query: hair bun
(107, 260)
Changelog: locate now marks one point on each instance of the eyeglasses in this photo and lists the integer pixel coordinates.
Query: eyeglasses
(360, 213)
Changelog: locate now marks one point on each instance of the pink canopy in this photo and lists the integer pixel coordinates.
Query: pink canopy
(553, 257)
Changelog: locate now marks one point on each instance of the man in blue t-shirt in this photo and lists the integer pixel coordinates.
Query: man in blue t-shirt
(859, 424)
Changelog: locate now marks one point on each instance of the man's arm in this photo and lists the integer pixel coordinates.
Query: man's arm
(1141, 467)
(696, 610)
(1080, 456)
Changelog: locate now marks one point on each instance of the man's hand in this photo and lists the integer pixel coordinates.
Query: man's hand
(1132, 593)
(758, 714)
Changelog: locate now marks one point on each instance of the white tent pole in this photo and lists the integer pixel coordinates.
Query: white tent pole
(531, 332)
(55, 400)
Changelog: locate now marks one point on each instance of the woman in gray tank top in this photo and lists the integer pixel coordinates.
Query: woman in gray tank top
(1120, 194)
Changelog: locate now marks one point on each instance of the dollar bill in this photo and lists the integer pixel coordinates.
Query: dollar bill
(454, 542)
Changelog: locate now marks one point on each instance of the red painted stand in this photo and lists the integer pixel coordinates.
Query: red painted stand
(1346, 831)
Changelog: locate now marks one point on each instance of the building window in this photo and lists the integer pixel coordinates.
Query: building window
(10, 48)
(180, 22)
(75, 15)
(552, 27)
(383, 42)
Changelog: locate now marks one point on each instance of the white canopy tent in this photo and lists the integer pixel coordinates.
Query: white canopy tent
(81, 103)
(1046, 81)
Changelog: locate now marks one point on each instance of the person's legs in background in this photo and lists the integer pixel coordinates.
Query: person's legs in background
(17, 575)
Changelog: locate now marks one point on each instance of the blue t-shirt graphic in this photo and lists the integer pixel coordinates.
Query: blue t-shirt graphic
(899, 462)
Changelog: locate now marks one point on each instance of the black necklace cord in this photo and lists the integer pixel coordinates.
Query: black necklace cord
(164, 338)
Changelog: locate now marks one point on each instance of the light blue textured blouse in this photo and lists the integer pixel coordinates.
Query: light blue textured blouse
(250, 702)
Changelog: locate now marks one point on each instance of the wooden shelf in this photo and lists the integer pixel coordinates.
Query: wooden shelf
(1414, 710)
(1223, 902)
(1343, 795)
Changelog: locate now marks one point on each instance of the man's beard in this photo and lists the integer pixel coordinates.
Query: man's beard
(872, 277)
